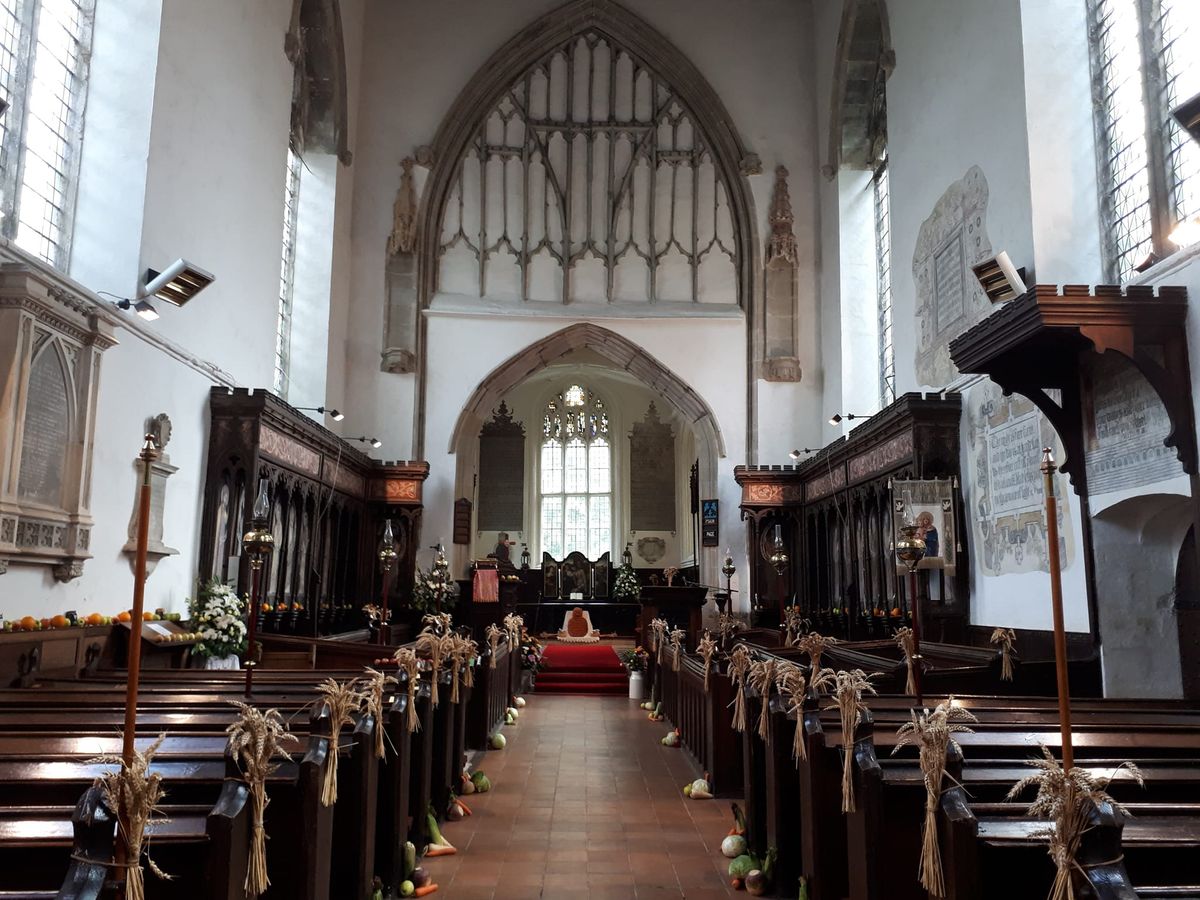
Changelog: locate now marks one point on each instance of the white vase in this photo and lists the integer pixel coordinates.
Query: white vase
(637, 686)
(222, 662)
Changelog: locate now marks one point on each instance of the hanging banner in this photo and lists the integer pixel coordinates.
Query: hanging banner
(928, 504)
(710, 527)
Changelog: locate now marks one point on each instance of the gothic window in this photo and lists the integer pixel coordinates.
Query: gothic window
(44, 51)
(1143, 66)
(575, 496)
(287, 275)
(589, 181)
(883, 284)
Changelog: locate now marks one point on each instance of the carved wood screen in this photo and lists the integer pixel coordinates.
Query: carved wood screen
(589, 180)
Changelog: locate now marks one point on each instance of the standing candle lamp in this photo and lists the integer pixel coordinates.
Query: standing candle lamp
(387, 558)
(257, 544)
(727, 569)
(1049, 468)
(910, 550)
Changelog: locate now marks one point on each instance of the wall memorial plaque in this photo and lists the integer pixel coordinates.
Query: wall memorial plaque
(46, 431)
(652, 474)
(502, 473)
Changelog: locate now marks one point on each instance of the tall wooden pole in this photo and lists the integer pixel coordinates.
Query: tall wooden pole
(256, 564)
(1060, 633)
(916, 634)
(148, 455)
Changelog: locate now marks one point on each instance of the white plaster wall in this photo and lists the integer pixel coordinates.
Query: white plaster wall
(309, 353)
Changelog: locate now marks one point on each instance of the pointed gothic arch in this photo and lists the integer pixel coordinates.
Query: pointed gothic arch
(863, 62)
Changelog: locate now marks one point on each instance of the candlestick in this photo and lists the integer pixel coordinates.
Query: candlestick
(1060, 633)
(387, 556)
(257, 543)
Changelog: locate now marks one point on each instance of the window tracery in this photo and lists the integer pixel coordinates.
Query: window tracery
(575, 490)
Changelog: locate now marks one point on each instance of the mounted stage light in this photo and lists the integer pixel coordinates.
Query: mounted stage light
(334, 414)
(177, 283)
(795, 454)
(142, 307)
(374, 442)
(999, 278)
(838, 418)
(1187, 114)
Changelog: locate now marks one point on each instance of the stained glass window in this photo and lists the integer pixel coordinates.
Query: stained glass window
(44, 51)
(576, 475)
(1143, 66)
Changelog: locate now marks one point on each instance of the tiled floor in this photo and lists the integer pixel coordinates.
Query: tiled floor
(586, 802)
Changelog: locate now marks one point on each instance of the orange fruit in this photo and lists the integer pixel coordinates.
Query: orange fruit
(95, 619)
(60, 621)
(28, 623)
(124, 616)
(147, 617)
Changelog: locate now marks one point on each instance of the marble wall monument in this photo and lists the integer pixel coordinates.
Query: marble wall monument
(949, 299)
(51, 340)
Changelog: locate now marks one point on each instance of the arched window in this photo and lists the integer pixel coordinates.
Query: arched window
(576, 475)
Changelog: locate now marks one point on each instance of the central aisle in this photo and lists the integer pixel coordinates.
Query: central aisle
(586, 802)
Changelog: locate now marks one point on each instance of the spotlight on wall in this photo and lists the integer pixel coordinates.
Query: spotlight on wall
(838, 418)
(796, 454)
(999, 278)
(142, 307)
(177, 283)
(1187, 114)
(334, 414)
(374, 442)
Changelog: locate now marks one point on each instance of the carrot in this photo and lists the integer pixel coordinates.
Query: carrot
(439, 850)
(466, 809)
(424, 891)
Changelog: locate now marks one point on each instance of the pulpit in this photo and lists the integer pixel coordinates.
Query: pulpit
(681, 606)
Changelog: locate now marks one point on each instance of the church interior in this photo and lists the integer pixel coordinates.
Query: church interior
(606, 448)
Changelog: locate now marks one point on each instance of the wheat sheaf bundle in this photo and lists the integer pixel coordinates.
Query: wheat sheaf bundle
(1067, 799)
(343, 699)
(707, 648)
(407, 662)
(847, 689)
(133, 792)
(430, 645)
(906, 640)
(437, 623)
(469, 652)
(1005, 638)
(794, 625)
(815, 645)
(933, 734)
(255, 738)
(677, 635)
(793, 686)
(762, 679)
(739, 671)
(658, 636)
(727, 627)
(374, 685)
(514, 625)
(493, 634)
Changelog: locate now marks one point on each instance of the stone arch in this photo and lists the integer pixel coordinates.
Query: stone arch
(863, 61)
(655, 53)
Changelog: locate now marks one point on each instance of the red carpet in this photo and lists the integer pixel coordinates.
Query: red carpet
(582, 669)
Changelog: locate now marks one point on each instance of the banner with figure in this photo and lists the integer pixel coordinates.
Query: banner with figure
(928, 504)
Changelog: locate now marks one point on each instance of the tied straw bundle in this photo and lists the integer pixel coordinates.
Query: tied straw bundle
(407, 662)
(739, 671)
(374, 684)
(1067, 798)
(707, 648)
(847, 689)
(792, 684)
(794, 625)
(493, 634)
(677, 636)
(432, 646)
(342, 700)
(133, 792)
(815, 645)
(933, 734)
(907, 642)
(1005, 638)
(514, 625)
(762, 678)
(658, 636)
(255, 738)
(727, 627)
(470, 652)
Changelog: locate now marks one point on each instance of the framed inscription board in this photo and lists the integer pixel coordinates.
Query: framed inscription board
(652, 474)
(502, 473)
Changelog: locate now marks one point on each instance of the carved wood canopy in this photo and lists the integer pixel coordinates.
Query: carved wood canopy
(1040, 343)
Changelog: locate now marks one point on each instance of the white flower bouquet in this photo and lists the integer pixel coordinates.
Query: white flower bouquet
(217, 615)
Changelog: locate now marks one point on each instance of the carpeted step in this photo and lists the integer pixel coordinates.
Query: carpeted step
(582, 669)
(616, 690)
(575, 675)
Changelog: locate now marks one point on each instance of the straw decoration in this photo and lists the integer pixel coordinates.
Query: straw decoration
(815, 645)
(1066, 798)
(658, 636)
(429, 646)
(847, 689)
(794, 625)
(470, 652)
(255, 738)
(133, 792)
(727, 627)
(933, 734)
(907, 642)
(1005, 638)
(374, 683)
(792, 684)
(493, 634)
(407, 662)
(739, 670)
(515, 626)
(342, 700)
(677, 635)
(707, 648)
(762, 678)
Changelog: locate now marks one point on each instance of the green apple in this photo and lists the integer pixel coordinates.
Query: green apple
(407, 888)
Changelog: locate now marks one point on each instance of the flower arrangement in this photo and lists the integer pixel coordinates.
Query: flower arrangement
(634, 658)
(531, 653)
(216, 615)
(626, 587)
(671, 573)
(431, 594)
